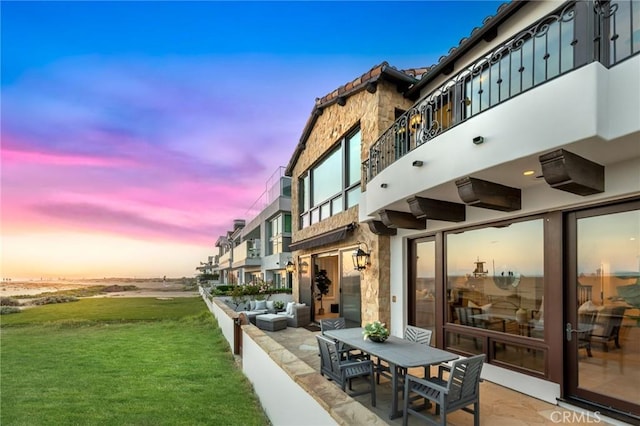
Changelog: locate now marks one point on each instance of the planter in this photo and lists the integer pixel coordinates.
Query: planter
(377, 339)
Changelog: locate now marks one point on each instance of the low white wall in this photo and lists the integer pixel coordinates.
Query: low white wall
(290, 391)
(225, 322)
(284, 401)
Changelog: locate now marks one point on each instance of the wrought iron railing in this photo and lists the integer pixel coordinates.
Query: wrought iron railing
(554, 45)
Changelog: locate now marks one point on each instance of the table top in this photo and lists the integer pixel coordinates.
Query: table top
(395, 350)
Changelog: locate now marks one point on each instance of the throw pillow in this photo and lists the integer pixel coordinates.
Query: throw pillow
(270, 305)
(252, 305)
(260, 305)
(289, 309)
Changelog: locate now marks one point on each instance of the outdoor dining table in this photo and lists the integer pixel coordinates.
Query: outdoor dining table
(398, 353)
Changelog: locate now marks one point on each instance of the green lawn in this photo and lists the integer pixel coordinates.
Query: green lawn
(119, 361)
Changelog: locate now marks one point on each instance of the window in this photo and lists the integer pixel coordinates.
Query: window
(333, 184)
(279, 231)
(495, 282)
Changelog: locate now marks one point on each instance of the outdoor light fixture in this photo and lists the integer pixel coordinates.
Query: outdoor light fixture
(478, 140)
(290, 267)
(360, 257)
(383, 185)
(415, 121)
(417, 163)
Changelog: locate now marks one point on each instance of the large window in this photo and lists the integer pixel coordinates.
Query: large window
(495, 282)
(333, 184)
(279, 233)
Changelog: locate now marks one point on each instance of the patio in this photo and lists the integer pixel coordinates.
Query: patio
(284, 368)
(498, 405)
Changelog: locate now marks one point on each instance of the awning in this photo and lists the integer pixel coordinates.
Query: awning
(323, 239)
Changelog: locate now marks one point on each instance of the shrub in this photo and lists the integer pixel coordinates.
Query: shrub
(54, 299)
(9, 301)
(117, 288)
(9, 310)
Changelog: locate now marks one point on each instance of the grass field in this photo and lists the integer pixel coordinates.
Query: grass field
(139, 361)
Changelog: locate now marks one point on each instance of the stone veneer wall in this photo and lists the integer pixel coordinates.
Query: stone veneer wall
(375, 112)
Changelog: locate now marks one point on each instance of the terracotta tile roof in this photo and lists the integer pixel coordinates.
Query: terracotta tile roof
(370, 76)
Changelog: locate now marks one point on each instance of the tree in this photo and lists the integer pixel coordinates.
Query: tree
(322, 286)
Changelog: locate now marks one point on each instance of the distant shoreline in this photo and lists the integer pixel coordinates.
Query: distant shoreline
(28, 288)
(92, 280)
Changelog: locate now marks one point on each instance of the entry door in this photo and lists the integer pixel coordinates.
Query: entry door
(602, 331)
(305, 283)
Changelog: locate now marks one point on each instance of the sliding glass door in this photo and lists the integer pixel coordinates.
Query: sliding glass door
(603, 313)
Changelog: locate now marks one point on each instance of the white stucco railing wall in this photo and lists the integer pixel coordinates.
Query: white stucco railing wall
(225, 322)
(284, 401)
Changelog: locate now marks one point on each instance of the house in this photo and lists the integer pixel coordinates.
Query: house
(505, 201)
(258, 247)
(326, 181)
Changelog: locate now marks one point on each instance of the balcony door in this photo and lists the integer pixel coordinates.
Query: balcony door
(602, 331)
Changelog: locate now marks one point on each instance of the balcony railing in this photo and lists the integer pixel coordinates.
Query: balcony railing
(278, 185)
(553, 46)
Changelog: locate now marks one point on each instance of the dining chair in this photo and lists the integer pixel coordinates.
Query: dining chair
(341, 371)
(458, 392)
(346, 351)
(412, 334)
(418, 335)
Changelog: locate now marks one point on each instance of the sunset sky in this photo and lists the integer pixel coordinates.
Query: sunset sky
(133, 133)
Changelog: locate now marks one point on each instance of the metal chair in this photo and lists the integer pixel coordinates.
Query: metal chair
(458, 392)
(345, 350)
(342, 371)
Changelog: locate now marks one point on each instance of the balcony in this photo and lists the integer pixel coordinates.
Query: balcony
(247, 253)
(224, 261)
(554, 46)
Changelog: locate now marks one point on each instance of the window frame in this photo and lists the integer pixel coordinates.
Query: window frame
(314, 211)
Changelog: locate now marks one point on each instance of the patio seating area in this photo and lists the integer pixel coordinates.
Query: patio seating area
(498, 405)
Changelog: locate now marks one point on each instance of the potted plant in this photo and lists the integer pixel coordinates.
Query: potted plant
(278, 305)
(376, 332)
(322, 286)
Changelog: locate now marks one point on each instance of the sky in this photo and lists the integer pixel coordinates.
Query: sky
(134, 133)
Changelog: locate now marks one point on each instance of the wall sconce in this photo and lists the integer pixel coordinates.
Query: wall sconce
(290, 267)
(361, 258)
(417, 163)
(383, 185)
(478, 140)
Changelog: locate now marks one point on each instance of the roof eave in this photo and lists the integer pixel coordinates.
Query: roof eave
(402, 80)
